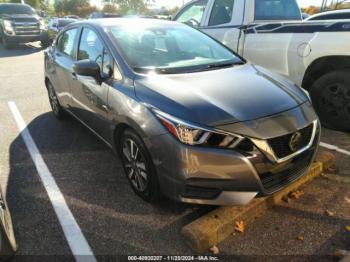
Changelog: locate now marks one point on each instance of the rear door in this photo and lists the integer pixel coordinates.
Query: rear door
(89, 97)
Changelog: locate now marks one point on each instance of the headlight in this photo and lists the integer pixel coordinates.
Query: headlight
(306, 93)
(8, 26)
(42, 25)
(190, 134)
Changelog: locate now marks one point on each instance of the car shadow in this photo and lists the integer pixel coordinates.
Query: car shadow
(114, 220)
(20, 50)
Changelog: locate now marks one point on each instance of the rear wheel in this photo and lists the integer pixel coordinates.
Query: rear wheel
(57, 109)
(138, 166)
(331, 98)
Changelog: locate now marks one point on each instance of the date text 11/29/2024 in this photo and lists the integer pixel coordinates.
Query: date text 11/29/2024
(173, 258)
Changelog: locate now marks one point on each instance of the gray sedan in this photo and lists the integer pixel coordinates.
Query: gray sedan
(189, 118)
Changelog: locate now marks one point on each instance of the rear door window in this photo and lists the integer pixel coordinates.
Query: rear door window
(277, 10)
(221, 12)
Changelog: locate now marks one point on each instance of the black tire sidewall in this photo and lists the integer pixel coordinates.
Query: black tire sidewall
(61, 113)
(341, 76)
(5, 43)
(152, 191)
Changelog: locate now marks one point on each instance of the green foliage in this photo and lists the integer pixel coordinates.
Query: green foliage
(33, 3)
(108, 8)
(131, 7)
(76, 7)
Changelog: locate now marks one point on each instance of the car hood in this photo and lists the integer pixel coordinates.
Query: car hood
(21, 18)
(218, 97)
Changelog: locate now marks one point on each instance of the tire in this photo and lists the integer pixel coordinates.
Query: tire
(45, 43)
(6, 44)
(57, 109)
(138, 166)
(330, 95)
(8, 245)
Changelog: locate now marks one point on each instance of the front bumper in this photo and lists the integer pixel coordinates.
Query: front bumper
(213, 176)
(22, 39)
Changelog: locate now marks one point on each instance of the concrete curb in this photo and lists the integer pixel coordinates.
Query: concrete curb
(217, 225)
(346, 258)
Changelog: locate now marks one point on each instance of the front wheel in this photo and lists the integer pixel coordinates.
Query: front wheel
(57, 109)
(138, 166)
(45, 43)
(6, 43)
(330, 95)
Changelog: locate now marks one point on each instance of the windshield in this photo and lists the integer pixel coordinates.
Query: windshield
(170, 49)
(16, 10)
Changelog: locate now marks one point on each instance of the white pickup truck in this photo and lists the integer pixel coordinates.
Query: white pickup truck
(271, 33)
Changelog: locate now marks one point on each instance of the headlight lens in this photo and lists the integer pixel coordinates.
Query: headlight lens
(42, 25)
(190, 134)
(306, 93)
(8, 25)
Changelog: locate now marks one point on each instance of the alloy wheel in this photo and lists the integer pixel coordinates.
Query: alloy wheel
(135, 165)
(53, 100)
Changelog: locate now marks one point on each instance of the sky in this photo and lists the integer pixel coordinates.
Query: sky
(173, 3)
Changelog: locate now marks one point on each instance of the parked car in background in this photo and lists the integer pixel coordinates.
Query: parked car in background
(331, 15)
(271, 33)
(188, 117)
(56, 25)
(19, 23)
(97, 15)
(72, 17)
(304, 16)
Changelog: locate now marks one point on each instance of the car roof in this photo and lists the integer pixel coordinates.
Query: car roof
(340, 11)
(14, 4)
(103, 22)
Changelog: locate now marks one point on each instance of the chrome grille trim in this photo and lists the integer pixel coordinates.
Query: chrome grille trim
(264, 146)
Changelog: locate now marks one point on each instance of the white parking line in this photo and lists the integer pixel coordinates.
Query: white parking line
(335, 148)
(75, 238)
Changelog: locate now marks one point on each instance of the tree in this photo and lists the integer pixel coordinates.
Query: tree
(33, 3)
(85, 10)
(109, 8)
(73, 7)
(311, 10)
(174, 10)
(131, 6)
(58, 7)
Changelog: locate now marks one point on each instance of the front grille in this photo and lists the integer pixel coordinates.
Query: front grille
(27, 28)
(280, 145)
(272, 182)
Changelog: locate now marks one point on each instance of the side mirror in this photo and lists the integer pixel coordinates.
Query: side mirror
(88, 68)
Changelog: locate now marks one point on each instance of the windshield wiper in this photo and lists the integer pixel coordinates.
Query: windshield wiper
(222, 65)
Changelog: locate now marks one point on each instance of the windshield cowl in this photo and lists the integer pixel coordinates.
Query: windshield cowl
(190, 69)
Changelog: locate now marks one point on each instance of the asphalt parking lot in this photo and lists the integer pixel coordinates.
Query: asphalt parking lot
(112, 219)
